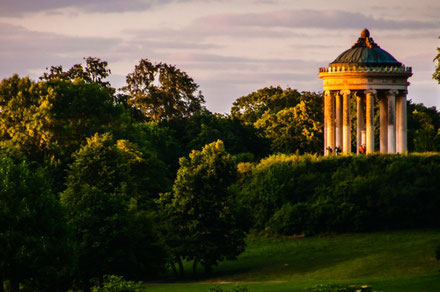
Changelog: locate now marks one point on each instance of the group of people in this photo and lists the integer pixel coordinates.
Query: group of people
(338, 150)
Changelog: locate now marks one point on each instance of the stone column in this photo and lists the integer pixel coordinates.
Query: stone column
(402, 123)
(325, 120)
(360, 122)
(370, 119)
(339, 109)
(398, 123)
(392, 121)
(346, 129)
(331, 129)
(330, 119)
(383, 105)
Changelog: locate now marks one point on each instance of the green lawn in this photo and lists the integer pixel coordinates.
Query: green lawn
(389, 261)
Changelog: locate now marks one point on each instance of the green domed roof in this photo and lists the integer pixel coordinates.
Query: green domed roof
(366, 52)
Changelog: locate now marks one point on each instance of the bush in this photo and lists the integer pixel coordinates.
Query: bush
(341, 288)
(309, 194)
(217, 288)
(114, 283)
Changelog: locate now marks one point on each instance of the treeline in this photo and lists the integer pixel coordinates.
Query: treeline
(97, 181)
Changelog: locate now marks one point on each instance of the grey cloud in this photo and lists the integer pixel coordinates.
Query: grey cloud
(324, 19)
(24, 50)
(18, 7)
(198, 31)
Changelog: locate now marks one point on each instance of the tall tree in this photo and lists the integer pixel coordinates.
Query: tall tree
(202, 220)
(106, 204)
(53, 118)
(162, 91)
(291, 120)
(95, 71)
(33, 233)
(436, 74)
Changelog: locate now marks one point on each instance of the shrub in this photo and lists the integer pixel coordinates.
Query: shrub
(309, 194)
(114, 283)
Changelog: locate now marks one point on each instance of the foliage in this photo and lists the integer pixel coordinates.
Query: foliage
(95, 71)
(160, 149)
(423, 128)
(436, 74)
(162, 91)
(202, 220)
(310, 194)
(33, 233)
(341, 288)
(218, 288)
(114, 283)
(52, 119)
(292, 121)
(205, 127)
(106, 207)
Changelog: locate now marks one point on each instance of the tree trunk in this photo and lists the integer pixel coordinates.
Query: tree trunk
(2, 288)
(195, 263)
(14, 285)
(173, 267)
(179, 261)
(208, 268)
(100, 281)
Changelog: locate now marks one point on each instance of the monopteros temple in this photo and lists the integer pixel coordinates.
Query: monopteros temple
(365, 73)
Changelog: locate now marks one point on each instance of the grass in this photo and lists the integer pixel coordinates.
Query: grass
(389, 261)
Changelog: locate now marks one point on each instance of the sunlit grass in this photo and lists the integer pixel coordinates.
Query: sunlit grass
(389, 261)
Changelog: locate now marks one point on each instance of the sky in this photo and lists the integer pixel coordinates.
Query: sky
(230, 48)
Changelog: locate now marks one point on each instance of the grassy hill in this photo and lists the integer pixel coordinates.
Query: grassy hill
(388, 261)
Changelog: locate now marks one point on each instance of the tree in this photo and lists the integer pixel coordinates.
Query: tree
(162, 91)
(423, 128)
(95, 71)
(202, 220)
(53, 118)
(436, 74)
(292, 121)
(33, 234)
(107, 210)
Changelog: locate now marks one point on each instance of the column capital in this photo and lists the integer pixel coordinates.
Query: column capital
(371, 91)
(392, 92)
(327, 92)
(403, 92)
(345, 92)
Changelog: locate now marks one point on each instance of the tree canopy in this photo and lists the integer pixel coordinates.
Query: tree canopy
(436, 74)
(291, 120)
(162, 91)
(203, 221)
(106, 207)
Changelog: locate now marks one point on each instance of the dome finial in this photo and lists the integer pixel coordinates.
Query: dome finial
(365, 33)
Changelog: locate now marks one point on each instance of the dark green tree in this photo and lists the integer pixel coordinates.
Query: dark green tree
(205, 127)
(108, 212)
(423, 128)
(52, 119)
(202, 220)
(162, 91)
(95, 71)
(33, 234)
(436, 75)
(291, 120)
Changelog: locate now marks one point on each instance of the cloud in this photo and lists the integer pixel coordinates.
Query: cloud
(323, 19)
(19, 7)
(23, 51)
